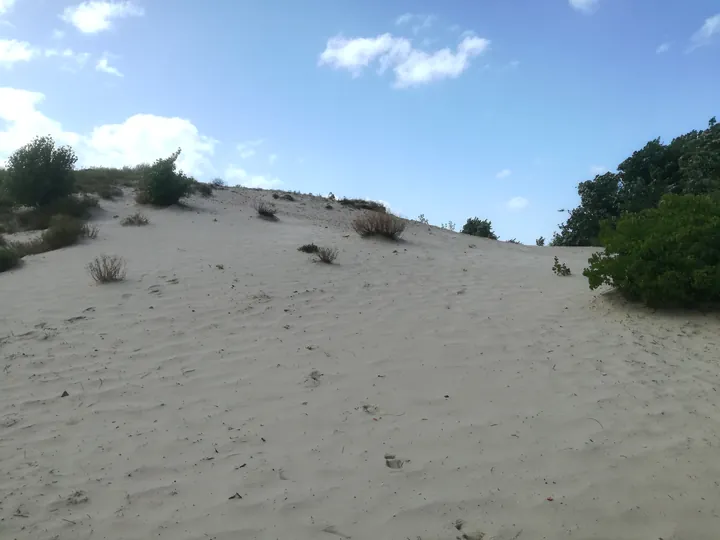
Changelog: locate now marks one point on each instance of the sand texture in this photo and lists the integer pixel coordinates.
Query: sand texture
(443, 387)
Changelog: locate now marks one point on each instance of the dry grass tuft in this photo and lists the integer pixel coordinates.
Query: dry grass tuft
(309, 248)
(327, 255)
(362, 204)
(107, 269)
(135, 220)
(379, 224)
(266, 210)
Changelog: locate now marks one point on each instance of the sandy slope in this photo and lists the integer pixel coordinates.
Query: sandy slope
(259, 401)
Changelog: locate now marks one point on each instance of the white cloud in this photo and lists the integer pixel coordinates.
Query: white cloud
(248, 149)
(272, 158)
(518, 203)
(663, 48)
(411, 66)
(241, 177)
(704, 35)
(421, 21)
(6, 6)
(97, 15)
(598, 169)
(104, 65)
(142, 138)
(503, 174)
(13, 51)
(586, 6)
(402, 19)
(74, 60)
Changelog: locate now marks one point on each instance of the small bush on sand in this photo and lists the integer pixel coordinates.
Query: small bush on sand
(90, 231)
(560, 269)
(162, 184)
(9, 258)
(204, 190)
(309, 248)
(328, 207)
(362, 204)
(107, 269)
(37, 219)
(327, 255)
(135, 220)
(40, 173)
(379, 224)
(540, 242)
(513, 241)
(287, 197)
(218, 183)
(667, 256)
(266, 210)
(63, 231)
(109, 192)
(479, 227)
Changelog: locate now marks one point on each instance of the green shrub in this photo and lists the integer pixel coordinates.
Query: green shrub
(479, 227)
(308, 248)
(513, 241)
(540, 241)
(379, 224)
(664, 256)
(266, 210)
(9, 258)
(36, 219)
(107, 269)
(327, 255)
(162, 184)
(63, 231)
(205, 190)
(560, 269)
(218, 183)
(40, 173)
(362, 204)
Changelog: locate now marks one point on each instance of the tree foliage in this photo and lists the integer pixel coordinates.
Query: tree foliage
(40, 173)
(162, 184)
(690, 164)
(479, 227)
(664, 256)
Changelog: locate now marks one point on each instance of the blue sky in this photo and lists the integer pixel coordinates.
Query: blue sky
(493, 108)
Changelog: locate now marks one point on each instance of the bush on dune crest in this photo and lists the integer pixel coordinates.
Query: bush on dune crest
(162, 184)
(379, 224)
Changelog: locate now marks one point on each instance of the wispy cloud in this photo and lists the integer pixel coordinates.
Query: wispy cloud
(704, 36)
(584, 6)
(598, 169)
(104, 65)
(241, 177)
(411, 66)
(663, 48)
(247, 149)
(419, 22)
(97, 15)
(503, 174)
(518, 203)
(272, 158)
(13, 51)
(73, 60)
(6, 6)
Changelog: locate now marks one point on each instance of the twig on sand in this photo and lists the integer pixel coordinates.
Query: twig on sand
(598, 421)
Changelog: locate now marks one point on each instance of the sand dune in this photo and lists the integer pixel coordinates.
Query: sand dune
(420, 390)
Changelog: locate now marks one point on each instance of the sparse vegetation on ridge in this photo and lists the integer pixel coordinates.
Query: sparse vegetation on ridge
(379, 224)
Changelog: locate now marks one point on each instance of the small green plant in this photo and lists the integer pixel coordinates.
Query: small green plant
(40, 173)
(162, 184)
(276, 196)
(560, 269)
(218, 183)
(327, 255)
(38, 218)
(479, 227)
(422, 219)
(664, 256)
(379, 224)
(449, 226)
(308, 248)
(540, 241)
(266, 210)
(135, 220)
(287, 197)
(513, 241)
(107, 269)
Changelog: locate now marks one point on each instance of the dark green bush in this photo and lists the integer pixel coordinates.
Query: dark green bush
(35, 219)
(40, 173)
(540, 241)
(379, 224)
(9, 258)
(162, 184)
(479, 227)
(664, 256)
(205, 190)
(362, 204)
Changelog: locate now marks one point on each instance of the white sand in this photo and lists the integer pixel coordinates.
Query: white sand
(501, 384)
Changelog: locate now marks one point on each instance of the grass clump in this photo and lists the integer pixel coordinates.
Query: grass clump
(107, 269)
(540, 242)
(308, 248)
(204, 190)
(135, 220)
(63, 231)
(39, 218)
(667, 256)
(379, 224)
(266, 210)
(327, 255)
(162, 184)
(362, 204)
(560, 269)
(513, 241)
(218, 183)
